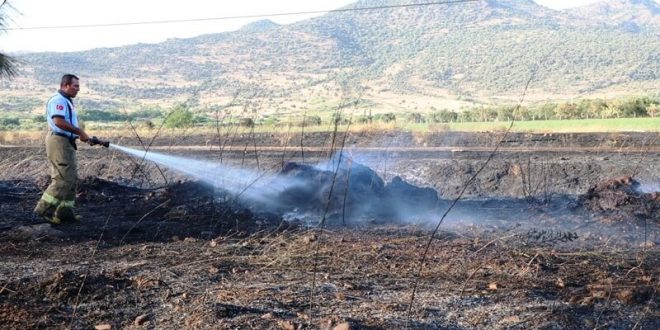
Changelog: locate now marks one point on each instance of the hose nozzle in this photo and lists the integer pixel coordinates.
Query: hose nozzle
(94, 141)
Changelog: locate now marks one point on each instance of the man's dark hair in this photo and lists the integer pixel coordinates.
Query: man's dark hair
(67, 79)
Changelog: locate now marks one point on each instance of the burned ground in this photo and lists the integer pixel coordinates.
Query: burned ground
(541, 239)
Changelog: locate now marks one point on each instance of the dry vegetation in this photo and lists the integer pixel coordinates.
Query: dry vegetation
(178, 254)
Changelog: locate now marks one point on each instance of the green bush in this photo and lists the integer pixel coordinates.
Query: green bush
(146, 113)
(339, 119)
(246, 122)
(415, 117)
(443, 116)
(180, 117)
(312, 120)
(385, 117)
(9, 123)
(38, 119)
(363, 119)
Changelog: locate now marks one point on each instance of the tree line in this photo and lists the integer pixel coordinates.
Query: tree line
(183, 115)
(633, 107)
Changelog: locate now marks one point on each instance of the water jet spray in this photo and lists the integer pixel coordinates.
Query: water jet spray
(254, 185)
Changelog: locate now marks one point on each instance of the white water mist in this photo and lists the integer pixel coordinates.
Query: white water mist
(648, 188)
(249, 184)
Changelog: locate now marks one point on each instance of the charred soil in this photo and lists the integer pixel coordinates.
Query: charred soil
(556, 232)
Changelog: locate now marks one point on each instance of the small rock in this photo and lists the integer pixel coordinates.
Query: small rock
(647, 244)
(267, 316)
(309, 239)
(626, 296)
(141, 319)
(286, 325)
(343, 326)
(104, 326)
(326, 324)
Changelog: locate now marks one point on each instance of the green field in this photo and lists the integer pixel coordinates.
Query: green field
(550, 126)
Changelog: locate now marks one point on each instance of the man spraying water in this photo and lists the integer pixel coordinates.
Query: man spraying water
(57, 202)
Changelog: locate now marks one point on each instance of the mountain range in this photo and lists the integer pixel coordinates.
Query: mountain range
(391, 59)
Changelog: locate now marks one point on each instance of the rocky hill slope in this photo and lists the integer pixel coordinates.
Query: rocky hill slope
(403, 59)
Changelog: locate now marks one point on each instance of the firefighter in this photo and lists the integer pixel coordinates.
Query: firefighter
(57, 202)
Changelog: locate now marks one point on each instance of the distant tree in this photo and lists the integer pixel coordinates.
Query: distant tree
(338, 119)
(444, 116)
(592, 108)
(653, 110)
(9, 123)
(547, 111)
(567, 111)
(7, 63)
(612, 110)
(180, 117)
(313, 120)
(467, 116)
(388, 117)
(38, 119)
(148, 112)
(363, 119)
(505, 113)
(246, 122)
(634, 107)
(414, 117)
(485, 114)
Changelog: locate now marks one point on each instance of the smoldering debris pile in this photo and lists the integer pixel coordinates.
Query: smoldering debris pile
(621, 199)
(352, 191)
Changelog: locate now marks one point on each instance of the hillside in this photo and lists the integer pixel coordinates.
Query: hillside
(631, 15)
(395, 59)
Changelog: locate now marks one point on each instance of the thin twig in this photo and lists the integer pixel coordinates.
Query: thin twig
(327, 205)
(473, 273)
(137, 135)
(4, 288)
(460, 195)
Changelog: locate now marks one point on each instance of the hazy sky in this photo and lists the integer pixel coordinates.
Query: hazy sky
(31, 13)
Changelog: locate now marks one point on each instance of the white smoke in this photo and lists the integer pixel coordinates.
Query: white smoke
(648, 188)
